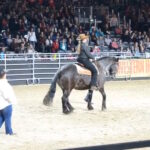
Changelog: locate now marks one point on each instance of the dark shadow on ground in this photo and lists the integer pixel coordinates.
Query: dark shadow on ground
(117, 146)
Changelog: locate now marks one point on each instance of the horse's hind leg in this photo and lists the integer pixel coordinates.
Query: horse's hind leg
(102, 91)
(69, 106)
(66, 106)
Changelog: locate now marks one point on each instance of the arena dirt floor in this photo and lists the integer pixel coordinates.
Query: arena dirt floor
(38, 127)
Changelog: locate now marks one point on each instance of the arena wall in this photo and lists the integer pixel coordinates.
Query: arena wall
(134, 68)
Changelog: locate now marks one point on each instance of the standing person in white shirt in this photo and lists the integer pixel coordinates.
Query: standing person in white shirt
(7, 99)
(32, 37)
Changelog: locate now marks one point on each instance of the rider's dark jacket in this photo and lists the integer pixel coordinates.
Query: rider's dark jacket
(84, 58)
(85, 53)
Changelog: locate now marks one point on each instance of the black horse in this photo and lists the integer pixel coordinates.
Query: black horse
(68, 79)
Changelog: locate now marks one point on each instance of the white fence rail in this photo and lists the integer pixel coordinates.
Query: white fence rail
(34, 68)
(38, 67)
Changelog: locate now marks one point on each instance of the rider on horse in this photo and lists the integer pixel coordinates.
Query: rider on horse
(85, 58)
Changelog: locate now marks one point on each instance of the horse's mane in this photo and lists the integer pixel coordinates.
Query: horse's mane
(109, 58)
(105, 57)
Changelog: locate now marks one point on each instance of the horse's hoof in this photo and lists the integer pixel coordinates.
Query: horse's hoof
(46, 103)
(66, 112)
(103, 109)
(71, 109)
(90, 107)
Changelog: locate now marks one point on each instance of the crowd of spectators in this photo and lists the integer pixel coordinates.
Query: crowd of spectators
(51, 26)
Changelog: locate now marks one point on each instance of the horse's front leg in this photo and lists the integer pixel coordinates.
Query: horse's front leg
(102, 91)
(88, 99)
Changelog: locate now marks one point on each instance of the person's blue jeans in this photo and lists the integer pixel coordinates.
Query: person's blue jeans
(5, 116)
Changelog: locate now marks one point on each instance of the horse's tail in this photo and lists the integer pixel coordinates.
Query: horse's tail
(48, 99)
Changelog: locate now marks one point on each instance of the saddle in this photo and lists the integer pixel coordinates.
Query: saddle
(82, 70)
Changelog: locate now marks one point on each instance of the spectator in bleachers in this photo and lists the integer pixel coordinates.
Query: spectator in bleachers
(2, 53)
(147, 43)
(4, 37)
(41, 43)
(141, 47)
(113, 22)
(30, 48)
(106, 29)
(72, 43)
(126, 36)
(57, 18)
(136, 50)
(14, 47)
(114, 45)
(32, 37)
(23, 47)
(9, 40)
(96, 50)
(118, 30)
(107, 40)
(93, 39)
(63, 45)
(55, 46)
(48, 44)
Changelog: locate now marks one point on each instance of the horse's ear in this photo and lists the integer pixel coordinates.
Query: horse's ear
(117, 59)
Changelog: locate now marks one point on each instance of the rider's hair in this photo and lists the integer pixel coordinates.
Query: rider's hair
(78, 49)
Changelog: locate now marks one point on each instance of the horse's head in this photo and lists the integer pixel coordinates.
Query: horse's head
(113, 69)
(109, 65)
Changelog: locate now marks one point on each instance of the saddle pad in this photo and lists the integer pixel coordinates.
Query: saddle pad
(83, 70)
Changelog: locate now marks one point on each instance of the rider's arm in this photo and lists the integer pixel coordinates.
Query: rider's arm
(89, 55)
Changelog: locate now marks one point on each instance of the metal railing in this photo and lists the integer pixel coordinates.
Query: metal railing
(34, 68)
(40, 67)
